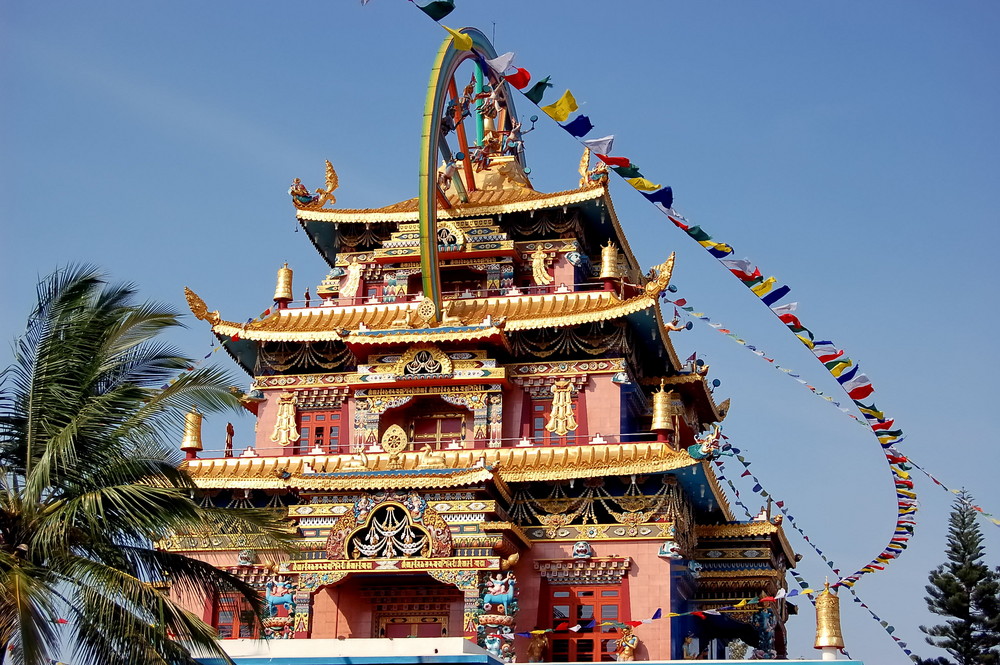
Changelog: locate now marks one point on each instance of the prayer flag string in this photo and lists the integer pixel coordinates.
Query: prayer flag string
(855, 383)
(790, 519)
(681, 304)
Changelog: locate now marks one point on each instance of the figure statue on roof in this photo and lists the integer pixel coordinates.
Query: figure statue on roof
(708, 447)
(300, 193)
(303, 199)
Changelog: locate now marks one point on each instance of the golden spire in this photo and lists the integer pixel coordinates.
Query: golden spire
(283, 291)
(829, 637)
(191, 443)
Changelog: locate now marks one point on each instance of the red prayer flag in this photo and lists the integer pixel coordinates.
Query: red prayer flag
(700, 615)
(678, 223)
(234, 338)
(792, 319)
(862, 392)
(886, 425)
(615, 161)
(519, 79)
(830, 356)
(563, 626)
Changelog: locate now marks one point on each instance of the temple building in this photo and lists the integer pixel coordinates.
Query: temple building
(480, 427)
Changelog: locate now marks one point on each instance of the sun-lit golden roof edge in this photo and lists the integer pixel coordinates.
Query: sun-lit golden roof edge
(515, 464)
(519, 312)
(387, 214)
(756, 528)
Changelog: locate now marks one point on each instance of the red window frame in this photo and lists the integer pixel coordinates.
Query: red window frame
(579, 603)
(323, 428)
(233, 618)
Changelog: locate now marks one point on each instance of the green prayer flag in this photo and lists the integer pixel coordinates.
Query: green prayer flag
(631, 171)
(696, 233)
(538, 90)
(438, 9)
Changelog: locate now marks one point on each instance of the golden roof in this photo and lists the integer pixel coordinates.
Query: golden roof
(746, 529)
(481, 202)
(466, 319)
(515, 465)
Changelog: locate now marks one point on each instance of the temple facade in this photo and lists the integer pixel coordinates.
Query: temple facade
(479, 427)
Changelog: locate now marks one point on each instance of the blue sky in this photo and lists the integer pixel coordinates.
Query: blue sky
(847, 148)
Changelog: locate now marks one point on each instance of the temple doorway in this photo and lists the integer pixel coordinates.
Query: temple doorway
(397, 605)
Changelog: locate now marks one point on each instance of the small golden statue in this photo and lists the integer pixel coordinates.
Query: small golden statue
(627, 645)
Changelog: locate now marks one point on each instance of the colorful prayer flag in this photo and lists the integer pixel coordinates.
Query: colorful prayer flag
(460, 40)
(601, 146)
(776, 295)
(501, 63)
(642, 184)
(664, 197)
(438, 9)
(538, 90)
(519, 79)
(579, 126)
(614, 161)
(560, 110)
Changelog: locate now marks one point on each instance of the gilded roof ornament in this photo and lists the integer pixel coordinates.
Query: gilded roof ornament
(199, 308)
(660, 277)
(303, 199)
(592, 177)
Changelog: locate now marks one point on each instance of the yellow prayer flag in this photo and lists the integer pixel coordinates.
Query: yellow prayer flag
(643, 185)
(741, 603)
(805, 340)
(461, 41)
(765, 286)
(808, 591)
(560, 110)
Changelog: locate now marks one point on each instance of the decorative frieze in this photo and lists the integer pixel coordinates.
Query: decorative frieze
(593, 570)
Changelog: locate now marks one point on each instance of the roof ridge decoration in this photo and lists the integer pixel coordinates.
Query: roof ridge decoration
(303, 199)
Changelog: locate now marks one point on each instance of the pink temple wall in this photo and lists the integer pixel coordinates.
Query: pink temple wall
(564, 273)
(648, 590)
(603, 401)
(267, 416)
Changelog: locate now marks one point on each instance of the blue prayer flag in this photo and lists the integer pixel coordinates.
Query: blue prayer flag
(579, 126)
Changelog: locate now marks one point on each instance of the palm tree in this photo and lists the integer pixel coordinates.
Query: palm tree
(87, 485)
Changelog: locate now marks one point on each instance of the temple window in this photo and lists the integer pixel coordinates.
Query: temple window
(541, 414)
(233, 618)
(580, 604)
(320, 429)
(437, 429)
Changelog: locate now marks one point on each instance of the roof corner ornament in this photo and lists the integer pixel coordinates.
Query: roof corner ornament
(200, 309)
(660, 277)
(303, 199)
(592, 177)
